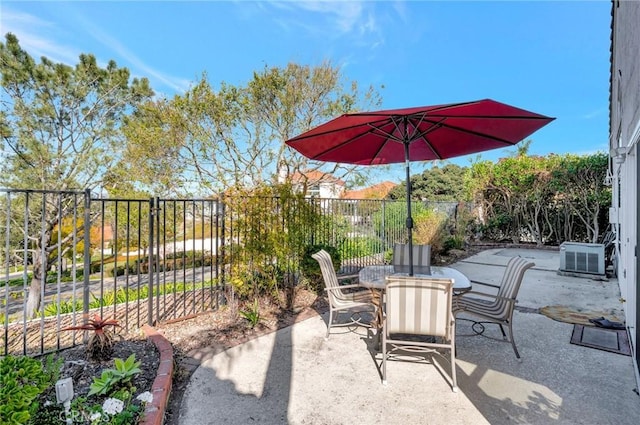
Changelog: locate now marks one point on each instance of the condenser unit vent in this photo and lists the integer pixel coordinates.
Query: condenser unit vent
(582, 257)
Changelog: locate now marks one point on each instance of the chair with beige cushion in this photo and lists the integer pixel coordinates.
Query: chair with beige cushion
(498, 305)
(343, 298)
(421, 258)
(418, 319)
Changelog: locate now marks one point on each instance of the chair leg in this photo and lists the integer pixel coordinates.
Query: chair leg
(384, 360)
(453, 367)
(513, 342)
(504, 335)
(329, 324)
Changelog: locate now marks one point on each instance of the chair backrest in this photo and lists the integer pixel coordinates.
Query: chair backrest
(328, 272)
(419, 306)
(421, 258)
(511, 281)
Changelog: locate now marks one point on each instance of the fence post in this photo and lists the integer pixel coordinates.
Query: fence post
(87, 256)
(222, 254)
(152, 210)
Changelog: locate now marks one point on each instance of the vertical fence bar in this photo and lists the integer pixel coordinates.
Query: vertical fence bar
(220, 250)
(102, 223)
(25, 275)
(173, 258)
(139, 267)
(155, 256)
(150, 264)
(127, 263)
(114, 254)
(74, 268)
(7, 272)
(59, 270)
(87, 256)
(45, 267)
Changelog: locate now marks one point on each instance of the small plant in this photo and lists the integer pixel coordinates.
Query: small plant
(100, 344)
(252, 314)
(112, 378)
(22, 380)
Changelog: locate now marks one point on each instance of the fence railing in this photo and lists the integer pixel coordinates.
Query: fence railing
(69, 255)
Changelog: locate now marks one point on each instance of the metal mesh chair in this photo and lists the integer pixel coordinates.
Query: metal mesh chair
(418, 306)
(421, 258)
(495, 308)
(339, 299)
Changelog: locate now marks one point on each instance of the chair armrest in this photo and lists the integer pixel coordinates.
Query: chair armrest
(341, 287)
(495, 297)
(492, 285)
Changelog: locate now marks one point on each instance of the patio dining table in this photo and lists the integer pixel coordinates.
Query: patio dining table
(374, 278)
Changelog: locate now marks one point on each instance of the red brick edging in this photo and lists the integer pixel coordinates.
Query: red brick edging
(161, 388)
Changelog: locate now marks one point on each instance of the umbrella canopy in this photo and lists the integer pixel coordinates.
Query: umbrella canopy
(418, 134)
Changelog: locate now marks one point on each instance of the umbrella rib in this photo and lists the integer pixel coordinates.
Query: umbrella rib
(443, 123)
(372, 129)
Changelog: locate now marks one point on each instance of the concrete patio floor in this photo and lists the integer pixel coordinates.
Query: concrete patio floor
(295, 376)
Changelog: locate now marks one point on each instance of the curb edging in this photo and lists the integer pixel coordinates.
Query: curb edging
(161, 389)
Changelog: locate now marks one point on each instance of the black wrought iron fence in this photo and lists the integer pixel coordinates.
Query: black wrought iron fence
(149, 260)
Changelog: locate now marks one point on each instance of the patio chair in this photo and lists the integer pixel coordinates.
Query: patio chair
(418, 319)
(340, 300)
(495, 308)
(421, 258)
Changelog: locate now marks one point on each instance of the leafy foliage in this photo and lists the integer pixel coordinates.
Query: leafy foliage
(110, 379)
(22, 380)
(444, 183)
(252, 313)
(100, 343)
(61, 125)
(170, 141)
(541, 199)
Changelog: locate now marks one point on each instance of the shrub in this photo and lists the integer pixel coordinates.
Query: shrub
(22, 380)
(359, 246)
(430, 228)
(453, 242)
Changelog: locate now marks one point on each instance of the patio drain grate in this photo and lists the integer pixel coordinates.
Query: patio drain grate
(614, 341)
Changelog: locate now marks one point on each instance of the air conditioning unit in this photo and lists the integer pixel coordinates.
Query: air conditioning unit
(582, 257)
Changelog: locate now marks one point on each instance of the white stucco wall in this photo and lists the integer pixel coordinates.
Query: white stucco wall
(624, 137)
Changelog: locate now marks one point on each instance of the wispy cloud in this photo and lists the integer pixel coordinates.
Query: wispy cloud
(332, 19)
(139, 66)
(595, 114)
(36, 36)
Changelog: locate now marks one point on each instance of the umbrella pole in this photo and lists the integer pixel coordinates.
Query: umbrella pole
(409, 218)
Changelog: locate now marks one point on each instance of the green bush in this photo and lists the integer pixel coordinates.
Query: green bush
(430, 228)
(310, 268)
(359, 246)
(453, 242)
(22, 380)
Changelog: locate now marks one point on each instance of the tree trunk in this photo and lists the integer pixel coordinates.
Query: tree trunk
(39, 278)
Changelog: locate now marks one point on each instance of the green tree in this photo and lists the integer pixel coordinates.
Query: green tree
(544, 199)
(444, 183)
(234, 136)
(580, 185)
(61, 129)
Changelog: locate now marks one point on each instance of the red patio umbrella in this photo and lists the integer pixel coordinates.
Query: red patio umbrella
(418, 134)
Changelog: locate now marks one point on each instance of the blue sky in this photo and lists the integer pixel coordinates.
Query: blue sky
(544, 56)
